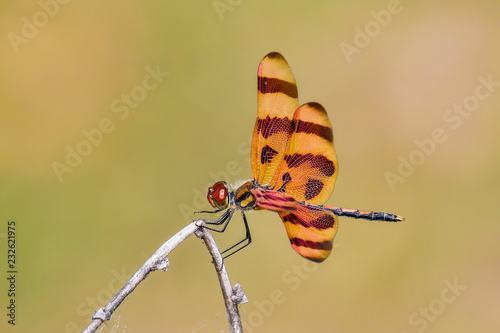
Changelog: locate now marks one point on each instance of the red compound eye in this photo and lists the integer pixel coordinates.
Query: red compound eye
(218, 195)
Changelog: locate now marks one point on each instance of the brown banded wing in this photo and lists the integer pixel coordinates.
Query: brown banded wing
(277, 102)
(309, 167)
(310, 230)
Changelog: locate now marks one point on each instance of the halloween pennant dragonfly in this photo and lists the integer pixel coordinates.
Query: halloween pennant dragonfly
(294, 168)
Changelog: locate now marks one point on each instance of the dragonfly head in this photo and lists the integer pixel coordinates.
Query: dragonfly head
(218, 195)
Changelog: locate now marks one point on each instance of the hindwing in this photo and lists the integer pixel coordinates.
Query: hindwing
(311, 231)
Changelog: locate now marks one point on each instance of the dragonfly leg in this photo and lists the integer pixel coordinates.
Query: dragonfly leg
(242, 243)
(223, 219)
(208, 211)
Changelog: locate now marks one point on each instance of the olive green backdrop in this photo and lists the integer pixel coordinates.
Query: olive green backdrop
(116, 116)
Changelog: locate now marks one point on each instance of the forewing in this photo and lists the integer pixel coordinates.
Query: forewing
(311, 231)
(309, 167)
(277, 102)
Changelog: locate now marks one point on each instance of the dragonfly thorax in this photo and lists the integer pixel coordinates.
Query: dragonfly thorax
(244, 198)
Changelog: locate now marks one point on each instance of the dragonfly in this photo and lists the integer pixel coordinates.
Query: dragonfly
(294, 169)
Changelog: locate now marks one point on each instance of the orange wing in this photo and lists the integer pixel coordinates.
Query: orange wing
(277, 102)
(309, 167)
(293, 158)
(311, 231)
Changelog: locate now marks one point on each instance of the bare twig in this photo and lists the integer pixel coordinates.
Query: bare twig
(232, 297)
(159, 260)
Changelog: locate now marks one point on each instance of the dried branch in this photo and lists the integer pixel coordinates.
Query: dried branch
(232, 296)
(159, 260)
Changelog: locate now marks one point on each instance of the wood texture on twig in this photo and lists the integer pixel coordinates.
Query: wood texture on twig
(159, 261)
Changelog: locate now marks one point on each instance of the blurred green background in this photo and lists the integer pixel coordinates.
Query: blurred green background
(390, 74)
